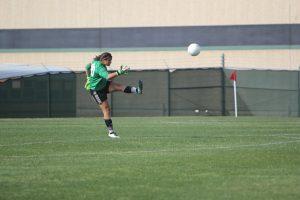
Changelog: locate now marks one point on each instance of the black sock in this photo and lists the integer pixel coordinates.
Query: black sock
(127, 89)
(130, 89)
(109, 124)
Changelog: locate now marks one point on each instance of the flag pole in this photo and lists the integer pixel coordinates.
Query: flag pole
(233, 77)
(235, 99)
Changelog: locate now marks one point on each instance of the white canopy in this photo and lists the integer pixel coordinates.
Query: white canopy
(8, 71)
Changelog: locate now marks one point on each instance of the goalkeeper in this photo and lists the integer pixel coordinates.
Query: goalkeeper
(99, 83)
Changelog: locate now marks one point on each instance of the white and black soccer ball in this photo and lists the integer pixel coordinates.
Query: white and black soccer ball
(194, 49)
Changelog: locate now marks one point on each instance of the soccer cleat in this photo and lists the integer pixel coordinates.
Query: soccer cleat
(113, 135)
(140, 87)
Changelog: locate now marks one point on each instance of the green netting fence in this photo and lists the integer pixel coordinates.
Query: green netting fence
(166, 93)
(39, 96)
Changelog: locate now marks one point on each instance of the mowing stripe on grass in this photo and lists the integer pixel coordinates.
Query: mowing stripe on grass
(158, 151)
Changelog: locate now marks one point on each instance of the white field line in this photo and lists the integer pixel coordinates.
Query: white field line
(46, 142)
(195, 148)
(200, 123)
(287, 136)
(290, 137)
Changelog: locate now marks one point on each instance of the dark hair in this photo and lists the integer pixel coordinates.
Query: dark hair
(103, 56)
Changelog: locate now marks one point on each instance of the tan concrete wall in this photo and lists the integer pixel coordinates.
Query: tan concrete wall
(258, 59)
(19, 14)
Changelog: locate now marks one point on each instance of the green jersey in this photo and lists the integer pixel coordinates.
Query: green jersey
(98, 76)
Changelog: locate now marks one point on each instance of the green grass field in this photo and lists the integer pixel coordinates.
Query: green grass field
(156, 158)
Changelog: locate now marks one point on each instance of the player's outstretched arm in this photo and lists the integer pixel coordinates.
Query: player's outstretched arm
(121, 71)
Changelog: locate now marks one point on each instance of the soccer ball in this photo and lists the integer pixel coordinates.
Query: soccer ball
(194, 49)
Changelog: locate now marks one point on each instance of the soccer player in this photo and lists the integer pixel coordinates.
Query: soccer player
(99, 83)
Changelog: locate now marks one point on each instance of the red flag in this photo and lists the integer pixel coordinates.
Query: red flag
(233, 75)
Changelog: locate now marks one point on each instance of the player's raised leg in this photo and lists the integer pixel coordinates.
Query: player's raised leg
(113, 87)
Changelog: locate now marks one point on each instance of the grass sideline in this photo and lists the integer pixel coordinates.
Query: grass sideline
(156, 158)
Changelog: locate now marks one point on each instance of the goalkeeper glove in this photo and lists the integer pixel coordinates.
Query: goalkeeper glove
(123, 70)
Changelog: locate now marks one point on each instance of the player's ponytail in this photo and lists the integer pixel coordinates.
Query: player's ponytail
(105, 56)
(97, 58)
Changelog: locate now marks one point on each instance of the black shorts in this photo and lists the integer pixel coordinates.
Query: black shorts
(100, 95)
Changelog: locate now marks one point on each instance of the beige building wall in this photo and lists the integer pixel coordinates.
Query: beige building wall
(33, 14)
(246, 59)
(28, 14)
